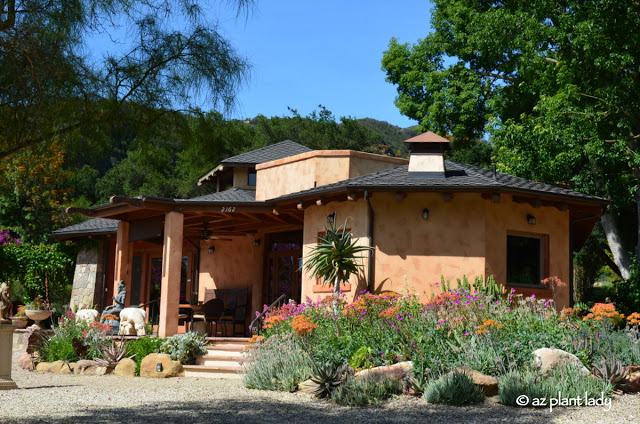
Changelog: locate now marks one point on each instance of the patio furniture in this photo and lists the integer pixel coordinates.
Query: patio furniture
(214, 312)
(236, 301)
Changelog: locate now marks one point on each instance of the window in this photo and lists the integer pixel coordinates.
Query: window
(525, 259)
(252, 179)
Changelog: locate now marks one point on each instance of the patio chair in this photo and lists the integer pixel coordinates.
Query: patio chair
(236, 301)
(214, 313)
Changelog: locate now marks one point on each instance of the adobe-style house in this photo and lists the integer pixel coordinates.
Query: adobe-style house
(427, 217)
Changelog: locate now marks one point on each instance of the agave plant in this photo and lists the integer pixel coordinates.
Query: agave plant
(610, 370)
(328, 378)
(113, 353)
(334, 258)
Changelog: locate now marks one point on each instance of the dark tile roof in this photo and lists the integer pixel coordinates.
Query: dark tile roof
(231, 195)
(281, 150)
(459, 176)
(90, 226)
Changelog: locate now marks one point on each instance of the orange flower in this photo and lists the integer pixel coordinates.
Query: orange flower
(302, 325)
(487, 324)
(634, 318)
(255, 339)
(604, 310)
(389, 312)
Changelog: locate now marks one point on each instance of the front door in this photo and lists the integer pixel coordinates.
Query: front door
(284, 257)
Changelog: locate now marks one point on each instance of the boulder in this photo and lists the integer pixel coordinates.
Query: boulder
(398, 371)
(87, 367)
(56, 366)
(170, 368)
(547, 359)
(632, 385)
(26, 362)
(488, 384)
(125, 368)
(67, 368)
(43, 366)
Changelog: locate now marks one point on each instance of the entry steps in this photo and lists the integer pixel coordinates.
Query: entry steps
(222, 359)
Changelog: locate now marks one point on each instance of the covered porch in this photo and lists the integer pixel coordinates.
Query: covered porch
(174, 255)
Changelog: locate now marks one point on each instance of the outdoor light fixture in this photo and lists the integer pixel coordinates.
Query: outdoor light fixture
(256, 243)
(531, 219)
(331, 218)
(425, 213)
(212, 249)
(204, 234)
(159, 367)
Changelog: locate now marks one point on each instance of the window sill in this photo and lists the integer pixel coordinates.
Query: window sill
(526, 286)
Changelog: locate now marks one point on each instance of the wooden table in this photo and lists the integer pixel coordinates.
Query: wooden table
(193, 309)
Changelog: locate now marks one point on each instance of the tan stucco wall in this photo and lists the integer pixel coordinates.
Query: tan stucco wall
(241, 178)
(510, 217)
(413, 253)
(315, 221)
(317, 168)
(234, 264)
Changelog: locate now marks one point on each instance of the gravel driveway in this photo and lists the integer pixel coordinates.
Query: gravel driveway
(66, 399)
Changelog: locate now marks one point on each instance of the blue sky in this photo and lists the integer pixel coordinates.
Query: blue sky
(305, 53)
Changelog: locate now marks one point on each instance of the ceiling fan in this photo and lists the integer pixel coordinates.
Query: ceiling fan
(205, 234)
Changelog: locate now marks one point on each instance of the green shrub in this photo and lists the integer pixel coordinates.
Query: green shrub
(569, 381)
(362, 358)
(185, 347)
(142, 347)
(365, 391)
(277, 363)
(73, 341)
(456, 388)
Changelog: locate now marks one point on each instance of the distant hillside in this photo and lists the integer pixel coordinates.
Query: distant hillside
(390, 134)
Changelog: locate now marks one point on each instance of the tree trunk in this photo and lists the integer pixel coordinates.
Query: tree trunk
(336, 293)
(620, 255)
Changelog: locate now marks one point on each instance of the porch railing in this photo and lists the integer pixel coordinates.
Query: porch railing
(256, 324)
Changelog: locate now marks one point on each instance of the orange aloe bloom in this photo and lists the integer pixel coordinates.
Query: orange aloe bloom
(255, 339)
(603, 310)
(389, 312)
(302, 325)
(634, 318)
(487, 324)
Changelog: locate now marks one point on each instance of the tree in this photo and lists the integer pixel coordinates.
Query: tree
(555, 83)
(334, 258)
(167, 57)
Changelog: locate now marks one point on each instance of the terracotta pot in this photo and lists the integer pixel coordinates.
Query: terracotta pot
(20, 322)
(37, 315)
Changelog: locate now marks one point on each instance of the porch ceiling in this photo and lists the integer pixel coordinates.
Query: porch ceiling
(239, 223)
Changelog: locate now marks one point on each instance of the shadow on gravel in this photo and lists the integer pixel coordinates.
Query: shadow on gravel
(268, 411)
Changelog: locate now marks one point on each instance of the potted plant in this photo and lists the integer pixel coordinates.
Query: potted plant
(38, 310)
(20, 319)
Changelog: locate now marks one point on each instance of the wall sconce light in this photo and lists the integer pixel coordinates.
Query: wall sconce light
(425, 213)
(256, 243)
(331, 218)
(212, 249)
(159, 367)
(531, 219)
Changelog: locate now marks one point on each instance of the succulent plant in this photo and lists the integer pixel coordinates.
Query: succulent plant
(113, 353)
(329, 377)
(609, 369)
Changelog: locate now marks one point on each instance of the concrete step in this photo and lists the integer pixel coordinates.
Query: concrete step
(222, 359)
(215, 360)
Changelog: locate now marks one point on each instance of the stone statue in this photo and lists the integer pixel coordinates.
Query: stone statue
(5, 303)
(118, 301)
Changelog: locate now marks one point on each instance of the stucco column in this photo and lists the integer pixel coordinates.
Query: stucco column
(121, 270)
(171, 268)
(6, 350)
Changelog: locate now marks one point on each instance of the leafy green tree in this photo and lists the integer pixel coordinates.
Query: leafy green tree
(554, 82)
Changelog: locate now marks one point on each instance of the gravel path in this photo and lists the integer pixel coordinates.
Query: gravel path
(58, 399)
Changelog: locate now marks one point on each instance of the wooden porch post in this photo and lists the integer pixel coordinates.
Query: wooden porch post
(121, 269)
(171, 269)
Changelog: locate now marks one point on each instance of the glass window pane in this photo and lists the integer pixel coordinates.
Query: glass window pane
(524, 260)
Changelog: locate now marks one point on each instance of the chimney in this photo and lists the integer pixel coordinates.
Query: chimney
(426, 158)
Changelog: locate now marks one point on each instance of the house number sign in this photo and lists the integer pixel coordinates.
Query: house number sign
(228, 209)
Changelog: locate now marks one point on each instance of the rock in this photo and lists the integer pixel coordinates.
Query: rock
(67, 368)
(26, 362)
(547, 359)
(632, 384)
(56, 366)
(87, 367)
(148, 367)
(125, 368)
(43, 366)
(308, 387)
(398, 371)
(488, 384)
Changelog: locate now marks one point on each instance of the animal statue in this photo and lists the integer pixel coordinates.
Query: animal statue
(88, 315)
(132, 322)
(5, 303)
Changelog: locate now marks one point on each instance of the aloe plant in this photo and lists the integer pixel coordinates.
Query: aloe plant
(334, 258)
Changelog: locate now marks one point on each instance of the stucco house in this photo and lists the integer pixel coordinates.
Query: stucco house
(426, 217)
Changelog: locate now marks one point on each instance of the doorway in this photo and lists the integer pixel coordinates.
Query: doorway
(283, 266)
